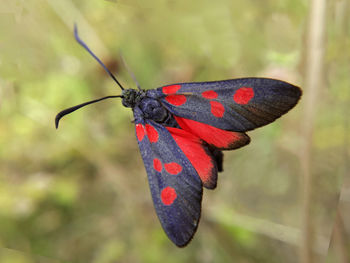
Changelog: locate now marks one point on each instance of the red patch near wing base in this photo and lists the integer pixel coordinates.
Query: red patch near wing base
(151, 133)
(171, 89)
(140, 131)
(176, 100)
(221, 139)
(197, 154)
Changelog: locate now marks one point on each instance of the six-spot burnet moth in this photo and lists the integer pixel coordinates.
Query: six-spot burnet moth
(182, 129)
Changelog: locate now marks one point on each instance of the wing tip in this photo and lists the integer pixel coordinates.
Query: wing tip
(183, 242)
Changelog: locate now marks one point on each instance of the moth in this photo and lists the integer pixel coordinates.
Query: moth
(182, 129)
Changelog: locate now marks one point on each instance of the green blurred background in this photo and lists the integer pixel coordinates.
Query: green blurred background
(80, 193)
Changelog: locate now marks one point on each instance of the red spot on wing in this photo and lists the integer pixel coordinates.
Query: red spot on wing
(168, 195)
(157, 164)
(173, 168)
(217, 109)
(197, 154)
(243, 95)
(209, 94)
(225, 140)
(171, 89)
(140, 131)
(151, 133)
(176, 100)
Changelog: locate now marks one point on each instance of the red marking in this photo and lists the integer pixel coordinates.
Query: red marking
(168, 195)
(173, 168)
(140, 132)
(243, 95)
(152, 133)
(171, 89)
(176, 100)
(209, 94)
(197, 154)
(157, 164)
(217, 109)
(224, 140)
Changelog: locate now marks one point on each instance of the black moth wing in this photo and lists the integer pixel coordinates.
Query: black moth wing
(175, 185)
(235, 105)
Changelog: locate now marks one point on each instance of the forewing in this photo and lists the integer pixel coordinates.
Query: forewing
(175, 185)
(234, 105)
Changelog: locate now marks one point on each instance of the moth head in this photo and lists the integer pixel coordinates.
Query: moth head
(132, 97)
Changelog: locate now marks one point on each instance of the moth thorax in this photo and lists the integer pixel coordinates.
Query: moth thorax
(153, 109)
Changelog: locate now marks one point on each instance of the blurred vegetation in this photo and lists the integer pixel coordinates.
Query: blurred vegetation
(80, 193)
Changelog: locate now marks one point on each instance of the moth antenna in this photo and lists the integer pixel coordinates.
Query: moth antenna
(74, 108)
(81, 42)
(129, 71)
